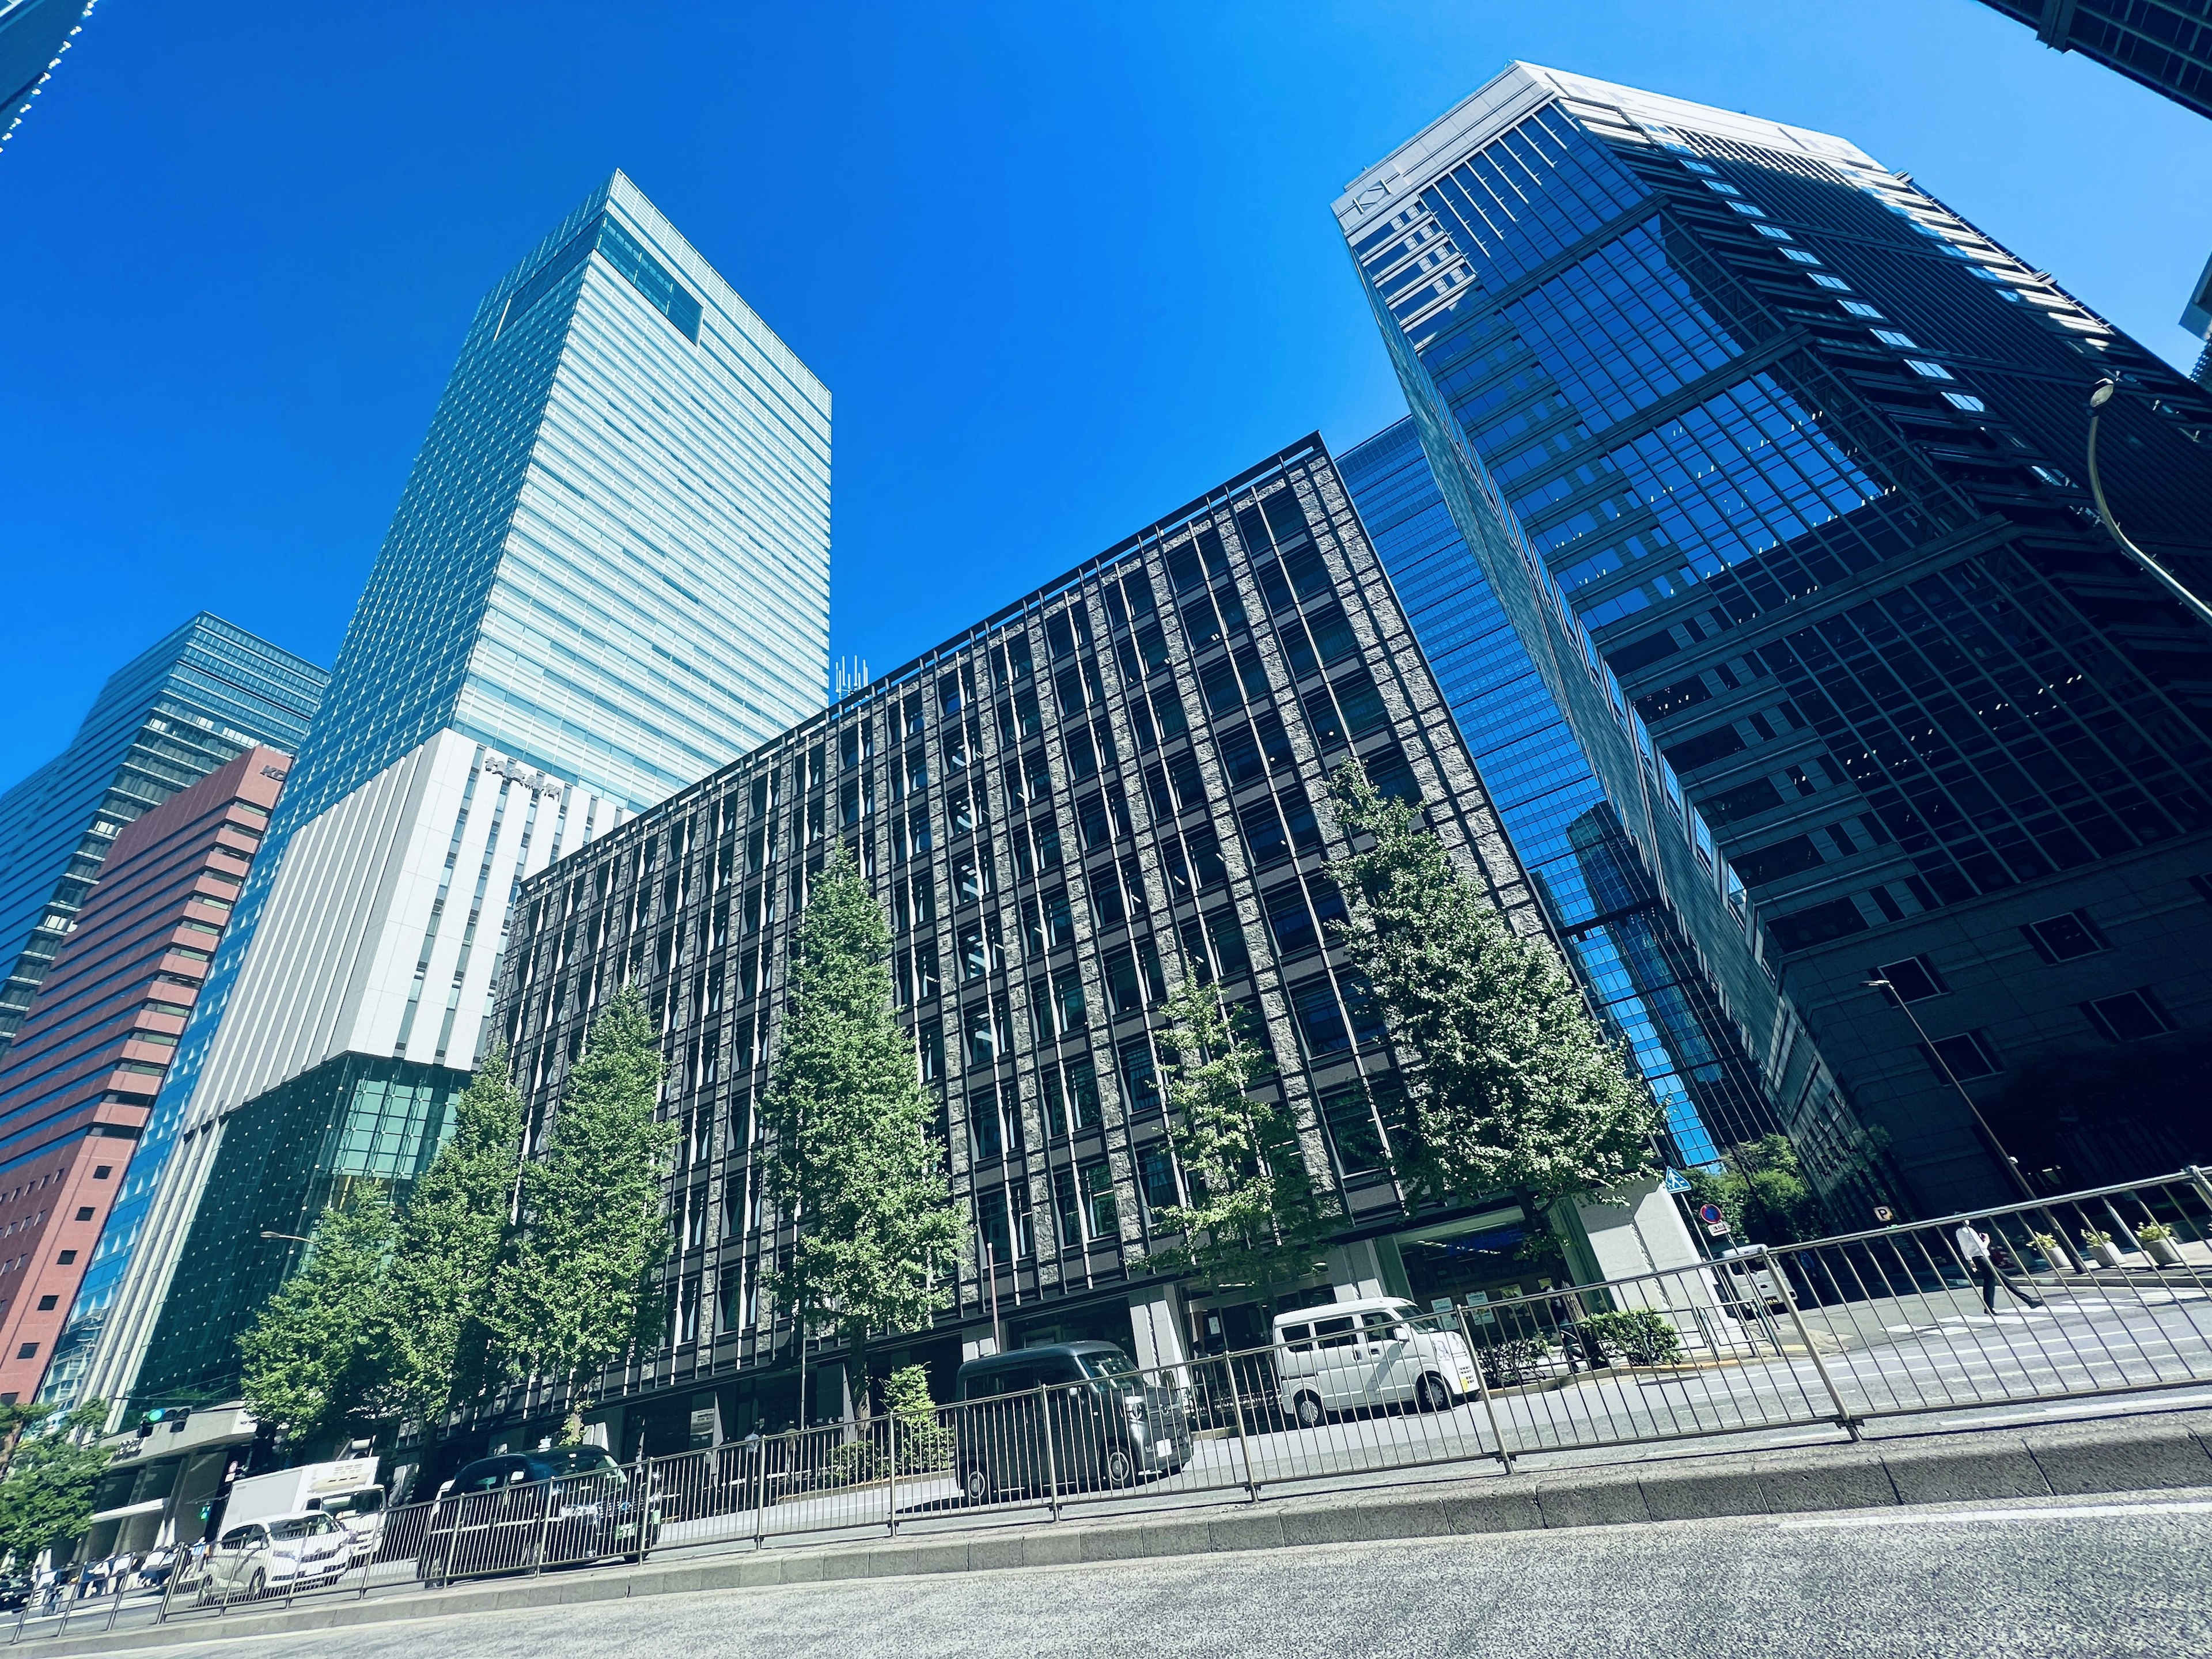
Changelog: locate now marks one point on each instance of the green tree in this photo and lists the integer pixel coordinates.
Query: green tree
(451, 1231)
(1254, 1217)
(316, 1355)
(46, 1500)
(1762, 1192)
(924, 1442)
(1516, 1089)
(853, 1156)
(572, 1292)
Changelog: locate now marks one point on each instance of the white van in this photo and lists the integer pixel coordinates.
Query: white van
(1352, 1356)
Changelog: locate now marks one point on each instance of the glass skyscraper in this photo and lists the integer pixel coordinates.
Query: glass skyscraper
(2164, 44)
(607, 574)
(168, 718)
(1627, 942)
(1770, 461)
(34, 35)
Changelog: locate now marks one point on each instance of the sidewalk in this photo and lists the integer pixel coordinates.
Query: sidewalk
(2153, 1451)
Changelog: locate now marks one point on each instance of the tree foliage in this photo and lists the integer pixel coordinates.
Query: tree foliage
(451, 1229)
(1516, 1090)
(853, 1158)
(45, 1498)
(315, 1357)
(1254, 1217)
(572, 1292)
(1762, 1192)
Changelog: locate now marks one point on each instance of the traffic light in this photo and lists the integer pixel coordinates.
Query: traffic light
(155, 1416)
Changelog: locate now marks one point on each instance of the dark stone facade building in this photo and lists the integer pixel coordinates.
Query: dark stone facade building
(1115, 780)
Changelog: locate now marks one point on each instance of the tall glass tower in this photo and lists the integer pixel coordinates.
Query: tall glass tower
(1629, 945)
(176, 712)
(1770, 460)
(607, 576)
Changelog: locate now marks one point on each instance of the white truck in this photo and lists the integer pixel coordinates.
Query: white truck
(346, 1489)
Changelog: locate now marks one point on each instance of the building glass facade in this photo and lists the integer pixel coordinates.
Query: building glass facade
(1117, 781)
(608, 573)
(164, 720)
(2164, 44)
(1624, 940)
(1795, 446)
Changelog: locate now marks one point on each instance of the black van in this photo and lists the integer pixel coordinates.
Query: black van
(1072, 1414)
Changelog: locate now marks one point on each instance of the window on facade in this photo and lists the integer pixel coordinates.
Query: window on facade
(1141, 1081)
(2061, 938)
(991, 1221)
(1186, 781)
(1108, 908)
(1352, 1130)
(1225, 936)
(1205, 861)
(1964, 1056)
(1320, 1021)
(1101, 1216)
(1836, 283)
(979, 1035)
(1121, 987)
(1252, 671)
(1322, 717)
(1913, 980)
(1082, 757)
(930, 1041)
(1357, 695)
(1266, 841)
(1289, 921)
(1066, 1208)
(1240, 756)
(1201, 623)
(1156, 1175)
(2129, 1017)
(1218, 686)
(1067, 999)
(1966, 401)
(986, 1139)
(1168, 711)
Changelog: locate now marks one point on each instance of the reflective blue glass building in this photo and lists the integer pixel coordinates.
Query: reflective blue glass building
(608, 575)
(164, 720)
(1627, 942)
(1769, 459)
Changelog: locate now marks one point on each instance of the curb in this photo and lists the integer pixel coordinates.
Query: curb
(2169, 1451)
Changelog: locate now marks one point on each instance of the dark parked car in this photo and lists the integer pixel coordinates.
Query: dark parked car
(565, 1505)
(1075, 1414)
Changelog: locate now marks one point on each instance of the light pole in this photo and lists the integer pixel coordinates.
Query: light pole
(2099, 395)
(294, 1238)
(2012, 1167)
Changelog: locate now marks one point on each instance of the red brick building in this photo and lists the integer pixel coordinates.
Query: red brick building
(79, 1080)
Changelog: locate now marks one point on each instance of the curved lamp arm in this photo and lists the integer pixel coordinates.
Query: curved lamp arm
(2099, 395)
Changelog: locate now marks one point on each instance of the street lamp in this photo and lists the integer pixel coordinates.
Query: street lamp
(2012, 1166)
(2099, 395)
(294, 1238)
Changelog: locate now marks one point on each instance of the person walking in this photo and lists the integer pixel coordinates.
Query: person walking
(1974, 1248)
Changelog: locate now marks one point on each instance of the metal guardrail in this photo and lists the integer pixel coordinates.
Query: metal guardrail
(2096, 1292)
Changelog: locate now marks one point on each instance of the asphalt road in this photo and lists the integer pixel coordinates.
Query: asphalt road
(2038, 1579)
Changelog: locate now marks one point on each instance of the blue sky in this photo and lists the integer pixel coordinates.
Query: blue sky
(1062, 266)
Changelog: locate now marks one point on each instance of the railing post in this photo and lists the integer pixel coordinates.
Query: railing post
(177, 1563)
(891, 1436)
(1051, 1463)
(1482, 1388)
(1243, 1442)
(2203, 1184)
(760, 1492)
(1844, 1419)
